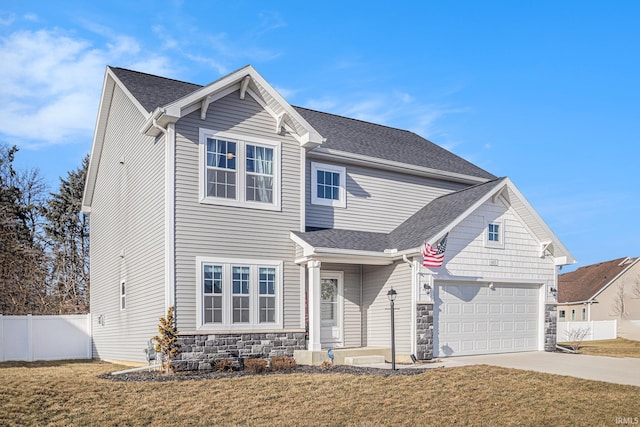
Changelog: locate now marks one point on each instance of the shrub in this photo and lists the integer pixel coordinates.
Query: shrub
(167, 342)
(255, 366)
(283, 363)
(223, 365)
(326, 365)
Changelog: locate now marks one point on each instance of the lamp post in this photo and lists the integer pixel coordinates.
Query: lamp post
(392, 297)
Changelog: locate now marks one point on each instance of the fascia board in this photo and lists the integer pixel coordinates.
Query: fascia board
(177, 108)
(312, 136)
(612, 281)
(362, 160)
(108, 86)
(468, 212)
(133, 99)
(551, 235)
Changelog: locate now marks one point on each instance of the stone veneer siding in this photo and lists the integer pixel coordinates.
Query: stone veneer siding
(200, 352)
(550, 330)
(424, 331)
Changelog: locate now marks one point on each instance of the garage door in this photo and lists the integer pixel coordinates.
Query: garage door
(474, 319)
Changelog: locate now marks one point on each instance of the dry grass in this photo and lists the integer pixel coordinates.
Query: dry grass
(615, 348)
(69, 393)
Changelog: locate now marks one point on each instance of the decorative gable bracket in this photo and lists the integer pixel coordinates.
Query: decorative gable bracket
(546, 248)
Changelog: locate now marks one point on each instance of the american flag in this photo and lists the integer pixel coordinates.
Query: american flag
(433, 257)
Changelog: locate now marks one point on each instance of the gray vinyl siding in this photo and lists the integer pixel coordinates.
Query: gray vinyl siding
(468, 256)
(377, 200)
(127, 218)
(377, 280)
(352, 318)
(233, 232)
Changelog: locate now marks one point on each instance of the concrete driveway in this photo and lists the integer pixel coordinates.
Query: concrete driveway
(610, 369)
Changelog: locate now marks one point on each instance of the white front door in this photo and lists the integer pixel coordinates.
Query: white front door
(331, 290)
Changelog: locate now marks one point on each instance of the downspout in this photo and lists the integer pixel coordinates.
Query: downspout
(155, 124)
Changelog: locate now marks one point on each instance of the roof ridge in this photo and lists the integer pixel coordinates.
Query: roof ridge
(154, 75)
(472, 187)
(361, 121)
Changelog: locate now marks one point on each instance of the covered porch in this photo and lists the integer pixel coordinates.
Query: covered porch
(347, 308)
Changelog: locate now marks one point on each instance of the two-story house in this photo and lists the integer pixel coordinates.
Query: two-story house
(276, 229)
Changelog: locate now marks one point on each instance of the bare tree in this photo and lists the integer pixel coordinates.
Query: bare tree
(23, 265)
(575, 337)
(617, 306)
(635, 290)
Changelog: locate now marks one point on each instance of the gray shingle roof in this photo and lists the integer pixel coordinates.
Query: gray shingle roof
(346, 239)
(421, 226)
(153, 91)
(585, 282)
(341, 133)
(383, 142)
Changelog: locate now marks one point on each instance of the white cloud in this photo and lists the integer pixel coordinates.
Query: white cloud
(52, 80)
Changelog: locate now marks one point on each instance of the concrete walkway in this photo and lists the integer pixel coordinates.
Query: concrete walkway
(600, 368)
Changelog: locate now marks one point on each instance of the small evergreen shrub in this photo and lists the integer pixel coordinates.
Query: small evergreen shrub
(255, 366)
(283, 363)
(167, 341)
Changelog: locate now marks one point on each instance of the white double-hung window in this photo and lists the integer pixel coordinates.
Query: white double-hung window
(239, 170)
(238, 294)
(328, 185)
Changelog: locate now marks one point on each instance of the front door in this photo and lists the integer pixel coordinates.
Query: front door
(331, 289)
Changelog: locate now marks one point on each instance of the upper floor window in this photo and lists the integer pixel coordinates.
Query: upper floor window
(239, 170)
(494, 237)
(328, 185)
(239, 294)
(584, 314)
(562, 314)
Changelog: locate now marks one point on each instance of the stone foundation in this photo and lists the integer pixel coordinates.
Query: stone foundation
(424, 331)
(200, 352)
(550, 330)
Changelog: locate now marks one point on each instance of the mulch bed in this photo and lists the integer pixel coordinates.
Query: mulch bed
(156, 376)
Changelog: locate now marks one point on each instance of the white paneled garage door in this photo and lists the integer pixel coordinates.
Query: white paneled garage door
(474, 319)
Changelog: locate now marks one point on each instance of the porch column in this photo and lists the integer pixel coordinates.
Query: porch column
(314, 305)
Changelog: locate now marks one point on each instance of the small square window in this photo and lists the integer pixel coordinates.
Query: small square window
(328, 185)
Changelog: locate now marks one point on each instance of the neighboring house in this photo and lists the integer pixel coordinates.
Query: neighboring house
(605, 291)
(251, 216)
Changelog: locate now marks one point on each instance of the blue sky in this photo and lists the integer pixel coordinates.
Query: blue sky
(544, 92)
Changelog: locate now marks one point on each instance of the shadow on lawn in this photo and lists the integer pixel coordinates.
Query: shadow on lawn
(47, 363)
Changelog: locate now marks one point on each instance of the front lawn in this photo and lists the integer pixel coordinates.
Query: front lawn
(70, 393)
(619, 347)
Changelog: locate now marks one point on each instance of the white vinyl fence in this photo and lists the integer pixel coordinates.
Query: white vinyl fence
(597, 329)
(29, 338)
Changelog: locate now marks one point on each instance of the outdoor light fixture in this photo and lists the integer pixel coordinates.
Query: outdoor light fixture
(427, 288)
(492, 286)
(392, 297)
(553, 291)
